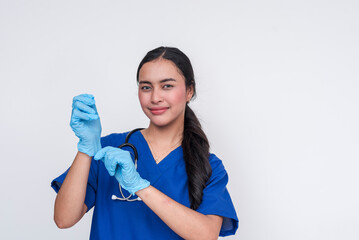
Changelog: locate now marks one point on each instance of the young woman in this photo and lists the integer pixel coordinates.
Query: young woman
(176, 189)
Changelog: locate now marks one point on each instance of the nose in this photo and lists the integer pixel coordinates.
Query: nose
(156, 96)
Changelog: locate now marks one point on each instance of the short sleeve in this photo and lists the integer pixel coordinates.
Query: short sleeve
(91, 188)
(216, 199)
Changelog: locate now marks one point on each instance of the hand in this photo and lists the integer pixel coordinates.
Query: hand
(120, 164)
(85, 122)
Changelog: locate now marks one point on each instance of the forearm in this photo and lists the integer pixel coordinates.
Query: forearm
(69, 203)
(187, 223)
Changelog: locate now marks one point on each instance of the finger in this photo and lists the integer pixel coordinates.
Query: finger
(94, 107)
(77, 114)
(87, 99)
(83, 107)
(124, 155)
(100, 154)
(110, 164)
(84, 96)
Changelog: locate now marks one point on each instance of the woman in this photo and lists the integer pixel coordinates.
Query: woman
(178, 189)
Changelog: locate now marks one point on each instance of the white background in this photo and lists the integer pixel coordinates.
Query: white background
(278, 97)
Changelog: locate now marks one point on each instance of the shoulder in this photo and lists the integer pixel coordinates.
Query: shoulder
(218, 170)
(113, 139)
(215, 162)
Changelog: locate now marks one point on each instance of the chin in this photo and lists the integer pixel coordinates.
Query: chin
(159, 123)
(162, 120)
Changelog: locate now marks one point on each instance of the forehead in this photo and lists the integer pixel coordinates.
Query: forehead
(159, 69)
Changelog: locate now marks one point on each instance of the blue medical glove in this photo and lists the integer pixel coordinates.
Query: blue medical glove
(119, 163)
(85, 122)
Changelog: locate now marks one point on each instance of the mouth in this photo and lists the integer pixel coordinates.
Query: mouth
(158, 110)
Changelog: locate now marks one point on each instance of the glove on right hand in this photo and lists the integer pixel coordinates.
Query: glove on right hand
(85, 122)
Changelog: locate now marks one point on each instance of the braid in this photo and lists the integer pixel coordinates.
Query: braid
(195, 152)
(194, 144)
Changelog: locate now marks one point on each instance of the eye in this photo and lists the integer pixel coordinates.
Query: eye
(167, 86)
(145, 88)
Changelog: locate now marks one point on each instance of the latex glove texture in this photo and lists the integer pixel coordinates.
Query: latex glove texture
(85, 122)
(119, 163)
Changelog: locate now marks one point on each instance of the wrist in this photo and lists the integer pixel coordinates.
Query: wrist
(84, 156)
(140, 185)
(89, 147)
(142, 192)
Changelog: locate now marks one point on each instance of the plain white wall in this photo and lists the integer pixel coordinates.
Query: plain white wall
(278, 97)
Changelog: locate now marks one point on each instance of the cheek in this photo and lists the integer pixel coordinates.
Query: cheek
(179, 96)
(142, 98)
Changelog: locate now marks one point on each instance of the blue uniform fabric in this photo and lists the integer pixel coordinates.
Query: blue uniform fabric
(115, 219)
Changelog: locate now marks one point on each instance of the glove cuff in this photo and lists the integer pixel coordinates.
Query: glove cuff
(89, 148)
(142, 183)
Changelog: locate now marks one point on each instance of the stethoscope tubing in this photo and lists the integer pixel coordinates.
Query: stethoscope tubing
(127, 144)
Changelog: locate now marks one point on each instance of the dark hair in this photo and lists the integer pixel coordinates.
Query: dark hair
(195, 144)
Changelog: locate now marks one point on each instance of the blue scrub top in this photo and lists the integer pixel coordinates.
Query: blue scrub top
(115, 219)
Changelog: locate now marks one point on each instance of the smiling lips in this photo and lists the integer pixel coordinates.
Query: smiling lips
(158, 110)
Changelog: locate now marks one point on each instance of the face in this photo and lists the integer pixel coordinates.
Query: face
(162, 92)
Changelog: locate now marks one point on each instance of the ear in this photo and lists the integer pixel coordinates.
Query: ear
(189, 93)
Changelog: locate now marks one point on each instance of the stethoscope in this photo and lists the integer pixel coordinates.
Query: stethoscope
(127, 144)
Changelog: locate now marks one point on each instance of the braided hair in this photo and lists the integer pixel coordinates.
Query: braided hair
(195, 144)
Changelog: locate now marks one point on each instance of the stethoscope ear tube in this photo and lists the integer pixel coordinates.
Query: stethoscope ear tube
(114, 197)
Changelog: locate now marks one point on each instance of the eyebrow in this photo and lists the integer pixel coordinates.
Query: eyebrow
(162, 81)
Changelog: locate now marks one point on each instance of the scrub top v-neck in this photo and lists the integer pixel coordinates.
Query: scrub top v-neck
(169, 160)
(115, 219)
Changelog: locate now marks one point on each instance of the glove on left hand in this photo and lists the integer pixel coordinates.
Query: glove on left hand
(119, 163)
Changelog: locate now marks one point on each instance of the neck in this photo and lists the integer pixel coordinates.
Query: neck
(167, 135)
